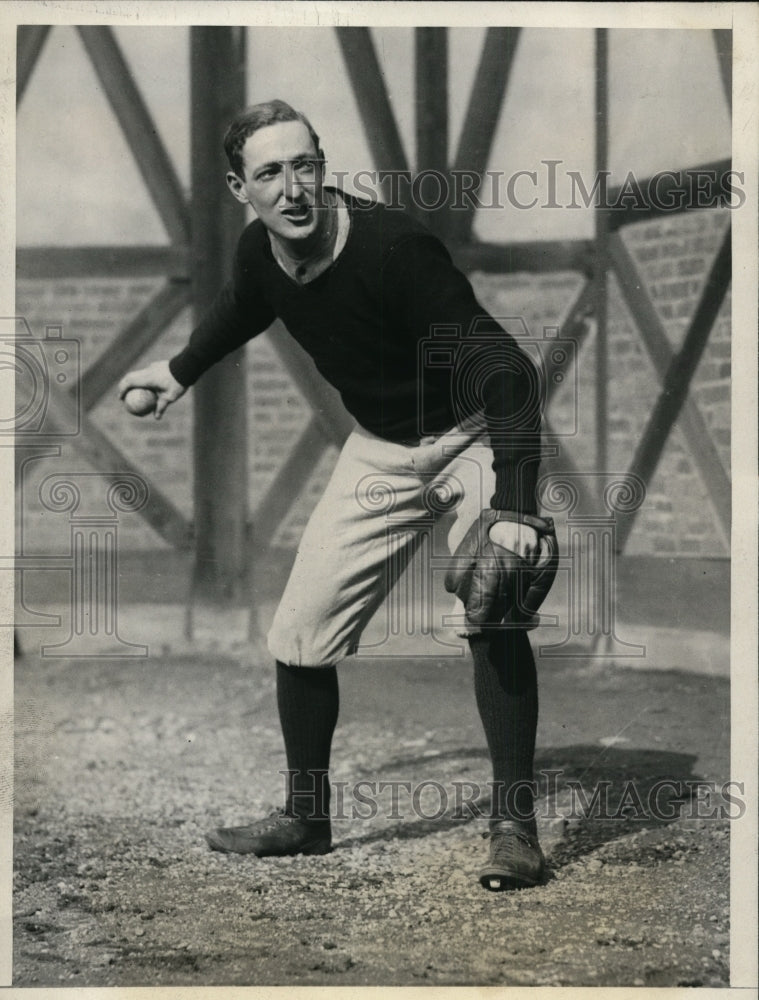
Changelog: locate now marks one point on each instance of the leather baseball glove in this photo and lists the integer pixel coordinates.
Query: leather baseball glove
(494, 584)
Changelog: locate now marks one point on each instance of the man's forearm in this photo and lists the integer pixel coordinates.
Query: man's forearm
(224, 328)
(513, 410)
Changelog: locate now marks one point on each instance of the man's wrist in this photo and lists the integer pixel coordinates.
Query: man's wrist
(181, 370)
(516, 485)
(521, 517)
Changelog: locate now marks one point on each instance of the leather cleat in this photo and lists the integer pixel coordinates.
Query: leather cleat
(516, 860)
(278, 835)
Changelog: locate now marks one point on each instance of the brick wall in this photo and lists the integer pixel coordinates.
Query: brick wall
(677, 518)
(673, 256)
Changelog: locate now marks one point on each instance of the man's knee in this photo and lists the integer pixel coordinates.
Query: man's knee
(296, 646)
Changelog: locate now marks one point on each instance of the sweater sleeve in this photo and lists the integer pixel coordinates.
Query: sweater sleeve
(238, 313)
(490, 372)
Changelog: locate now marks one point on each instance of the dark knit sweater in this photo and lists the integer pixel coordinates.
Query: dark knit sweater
(397, 329)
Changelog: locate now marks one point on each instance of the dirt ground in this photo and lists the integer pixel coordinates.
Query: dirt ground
(121, 765)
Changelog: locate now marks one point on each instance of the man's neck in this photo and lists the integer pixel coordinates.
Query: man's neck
(320, 244)
(307, 259)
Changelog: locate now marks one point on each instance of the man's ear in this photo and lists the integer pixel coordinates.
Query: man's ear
(237, 187)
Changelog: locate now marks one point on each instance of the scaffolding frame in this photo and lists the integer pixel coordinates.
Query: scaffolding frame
(202, 233)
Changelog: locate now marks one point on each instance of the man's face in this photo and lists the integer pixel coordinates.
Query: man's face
(283, 180)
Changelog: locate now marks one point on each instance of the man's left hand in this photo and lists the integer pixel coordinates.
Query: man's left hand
(521, 539)
(504, 565)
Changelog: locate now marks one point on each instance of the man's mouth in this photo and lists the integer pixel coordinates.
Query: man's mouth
(297, 213)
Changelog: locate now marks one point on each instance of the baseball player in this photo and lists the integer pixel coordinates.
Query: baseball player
(363, 287)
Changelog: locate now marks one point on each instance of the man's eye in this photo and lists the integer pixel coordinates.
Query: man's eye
(304, 167)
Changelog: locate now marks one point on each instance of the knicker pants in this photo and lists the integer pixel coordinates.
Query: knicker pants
(365, 529)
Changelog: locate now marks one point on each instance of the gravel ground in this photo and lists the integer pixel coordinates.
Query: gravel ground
(121, 766)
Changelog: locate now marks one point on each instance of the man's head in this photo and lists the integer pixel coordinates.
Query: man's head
(260, 116)
(278, 169)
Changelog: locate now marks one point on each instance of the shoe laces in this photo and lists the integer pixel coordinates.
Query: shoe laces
(511, 832)
(274, 819)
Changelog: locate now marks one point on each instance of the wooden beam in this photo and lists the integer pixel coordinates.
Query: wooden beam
(139, 130)
(538, 255)
(132, 342)
(676, 372)
(289, 481)
(30, 40)
(486, 99)
(602, 250)
(103, 262)
(93, 446)
(723, 44)
(668, 193)
(367, 81)
(558, 460)
(220, 442)
(431, 71)
(481, 119)
(331, 416)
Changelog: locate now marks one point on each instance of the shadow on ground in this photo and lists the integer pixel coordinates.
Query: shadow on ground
(121, 767)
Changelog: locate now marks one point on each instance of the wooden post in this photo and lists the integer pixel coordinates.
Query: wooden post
(220, 439)
(602, 247)
(431, 68)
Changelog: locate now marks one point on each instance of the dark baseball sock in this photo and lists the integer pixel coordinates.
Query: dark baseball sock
(308, 701)
(506, 689)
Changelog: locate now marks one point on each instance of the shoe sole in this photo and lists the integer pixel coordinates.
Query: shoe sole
(498, 880)
(317, 848)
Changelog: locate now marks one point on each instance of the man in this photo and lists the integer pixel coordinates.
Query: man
(361, 287)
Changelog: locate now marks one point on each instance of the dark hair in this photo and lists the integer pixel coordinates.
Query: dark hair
(260, 116)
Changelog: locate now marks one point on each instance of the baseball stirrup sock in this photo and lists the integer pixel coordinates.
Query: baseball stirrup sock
(506, 689)
(308, 701)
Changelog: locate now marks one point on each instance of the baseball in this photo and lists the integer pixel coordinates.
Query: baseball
(140, 402)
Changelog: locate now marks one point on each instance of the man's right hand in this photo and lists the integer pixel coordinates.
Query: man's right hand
(158, 378)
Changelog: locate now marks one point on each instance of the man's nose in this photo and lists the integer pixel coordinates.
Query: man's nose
(294, 186)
